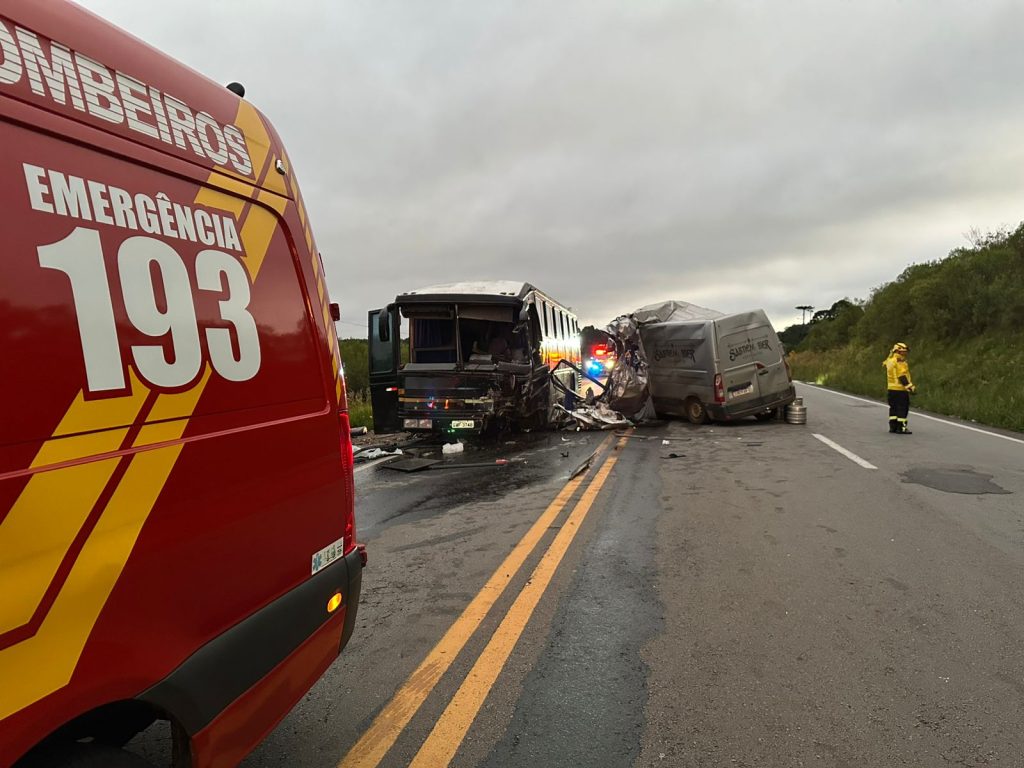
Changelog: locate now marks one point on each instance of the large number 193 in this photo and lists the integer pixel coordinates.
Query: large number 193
(80, 257)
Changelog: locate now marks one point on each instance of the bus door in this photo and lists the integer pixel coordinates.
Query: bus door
(384, 358)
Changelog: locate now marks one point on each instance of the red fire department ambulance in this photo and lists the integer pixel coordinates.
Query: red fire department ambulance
(177, 539)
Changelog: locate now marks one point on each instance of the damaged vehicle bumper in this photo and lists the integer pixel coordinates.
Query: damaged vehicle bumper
(448, 404)
(722, 412)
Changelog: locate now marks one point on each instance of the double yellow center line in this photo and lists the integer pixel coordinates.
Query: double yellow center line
(451, 728)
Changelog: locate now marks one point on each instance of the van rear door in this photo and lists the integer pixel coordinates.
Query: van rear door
(750, 358)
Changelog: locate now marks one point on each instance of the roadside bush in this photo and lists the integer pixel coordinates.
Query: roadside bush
(357, 368)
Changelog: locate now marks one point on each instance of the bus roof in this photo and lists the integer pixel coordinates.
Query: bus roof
(483, 289)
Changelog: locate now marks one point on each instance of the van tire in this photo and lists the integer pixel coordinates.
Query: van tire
(696, 413)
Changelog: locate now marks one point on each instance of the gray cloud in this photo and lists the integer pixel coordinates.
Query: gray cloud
(733, 154)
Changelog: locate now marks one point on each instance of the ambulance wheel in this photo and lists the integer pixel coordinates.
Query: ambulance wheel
(90, 756)
(696, 413)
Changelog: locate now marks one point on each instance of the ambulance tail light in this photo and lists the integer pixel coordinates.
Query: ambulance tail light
(719, 389)
(348, 506)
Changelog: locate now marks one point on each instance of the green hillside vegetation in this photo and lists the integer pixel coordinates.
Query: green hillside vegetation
(357, 366)
(355, 361)
(963, 318)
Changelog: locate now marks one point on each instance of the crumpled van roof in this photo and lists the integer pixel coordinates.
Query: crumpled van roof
(673, 311)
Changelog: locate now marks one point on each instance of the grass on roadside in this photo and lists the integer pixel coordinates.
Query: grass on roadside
(360, 412)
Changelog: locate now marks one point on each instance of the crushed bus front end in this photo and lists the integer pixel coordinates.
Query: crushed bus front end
(462, 401)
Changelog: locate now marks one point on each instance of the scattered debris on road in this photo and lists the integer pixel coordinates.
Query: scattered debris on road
(418, 465)
(410, 465)
(596, 416)
(369, 453)
(583, 466)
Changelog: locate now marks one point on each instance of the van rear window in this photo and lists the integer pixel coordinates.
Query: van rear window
(754, 345)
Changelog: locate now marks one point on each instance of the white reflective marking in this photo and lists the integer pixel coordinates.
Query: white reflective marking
(848, 454)
(918, 415)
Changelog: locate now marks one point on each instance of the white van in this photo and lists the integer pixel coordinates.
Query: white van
(722, 368)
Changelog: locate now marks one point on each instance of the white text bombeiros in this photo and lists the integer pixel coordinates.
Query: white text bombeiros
(66, 76)
(65, 195)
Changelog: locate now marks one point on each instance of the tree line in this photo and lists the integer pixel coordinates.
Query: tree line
(974, 291)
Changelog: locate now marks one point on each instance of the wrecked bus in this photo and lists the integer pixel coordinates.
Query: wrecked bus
(483, 356)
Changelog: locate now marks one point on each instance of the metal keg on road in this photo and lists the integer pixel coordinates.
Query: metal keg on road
(796, 412)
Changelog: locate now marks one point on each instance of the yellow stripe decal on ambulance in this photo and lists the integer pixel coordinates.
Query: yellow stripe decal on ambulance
(32, 545)
(258, 229)
(256, 139)
(214, 198)
(270, 200)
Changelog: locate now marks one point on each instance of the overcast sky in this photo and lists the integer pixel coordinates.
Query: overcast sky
(732, 154)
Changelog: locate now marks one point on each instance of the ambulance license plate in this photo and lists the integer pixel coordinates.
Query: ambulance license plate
(463, 424)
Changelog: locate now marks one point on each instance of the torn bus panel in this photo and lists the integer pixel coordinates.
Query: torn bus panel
(481, 355)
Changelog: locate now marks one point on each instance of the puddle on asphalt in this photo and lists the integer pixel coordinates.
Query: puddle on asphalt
(953, 480)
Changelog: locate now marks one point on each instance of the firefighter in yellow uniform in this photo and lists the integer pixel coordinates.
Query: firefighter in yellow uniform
(900, 388)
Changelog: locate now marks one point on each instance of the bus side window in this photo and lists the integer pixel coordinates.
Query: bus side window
(538, 353)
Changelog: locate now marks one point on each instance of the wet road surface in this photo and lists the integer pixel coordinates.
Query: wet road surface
(745, 595)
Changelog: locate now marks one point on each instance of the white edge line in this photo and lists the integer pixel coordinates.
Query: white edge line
(848, 454)
(917, 415)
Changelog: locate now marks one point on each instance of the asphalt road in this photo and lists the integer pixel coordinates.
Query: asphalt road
(760, 599)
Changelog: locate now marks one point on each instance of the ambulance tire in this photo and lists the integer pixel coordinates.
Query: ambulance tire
(94, 756)
(696, 413)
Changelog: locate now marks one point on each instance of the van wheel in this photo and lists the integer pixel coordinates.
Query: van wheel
(91, 755)
(696, 413)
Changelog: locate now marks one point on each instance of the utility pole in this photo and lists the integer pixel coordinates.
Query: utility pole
(804, 308)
